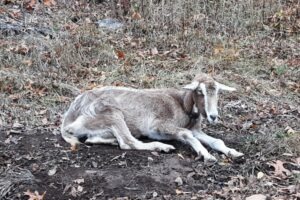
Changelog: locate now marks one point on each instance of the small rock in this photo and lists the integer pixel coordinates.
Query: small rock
(257, 197)
(51, 172)
(150, 159)
(34, 167)
(260, 175)
(154, 194)
(94, 164)
(179, 181)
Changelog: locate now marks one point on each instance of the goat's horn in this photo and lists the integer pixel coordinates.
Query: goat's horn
(191, 86)
(225, 87)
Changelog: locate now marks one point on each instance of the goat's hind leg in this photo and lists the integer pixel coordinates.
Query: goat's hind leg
(98, 139)
(216, 144)
(127, 141)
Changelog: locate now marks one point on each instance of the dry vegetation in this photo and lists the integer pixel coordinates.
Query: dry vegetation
(51, 51)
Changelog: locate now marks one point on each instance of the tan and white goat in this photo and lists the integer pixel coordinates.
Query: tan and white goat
(119, 115)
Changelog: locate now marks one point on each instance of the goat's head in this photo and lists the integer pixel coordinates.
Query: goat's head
(205, 95)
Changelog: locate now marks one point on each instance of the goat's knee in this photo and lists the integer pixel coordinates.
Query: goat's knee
(217, 143)
(185, 135)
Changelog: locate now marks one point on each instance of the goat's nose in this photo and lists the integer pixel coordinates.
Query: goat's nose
(213, 117)
(82, 138)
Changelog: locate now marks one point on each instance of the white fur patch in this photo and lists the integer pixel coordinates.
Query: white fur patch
(211, 103)
(195, 109)
(106, 88)
(203, 88)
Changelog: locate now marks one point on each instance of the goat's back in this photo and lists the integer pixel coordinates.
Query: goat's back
(139, 107)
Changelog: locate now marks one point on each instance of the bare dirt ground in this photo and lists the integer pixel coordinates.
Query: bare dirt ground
(50, 51)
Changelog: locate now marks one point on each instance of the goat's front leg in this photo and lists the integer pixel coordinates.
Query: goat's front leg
(216, 144)
(186, 136)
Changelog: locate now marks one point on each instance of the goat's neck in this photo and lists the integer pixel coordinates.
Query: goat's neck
(186, 99)
(188, 104)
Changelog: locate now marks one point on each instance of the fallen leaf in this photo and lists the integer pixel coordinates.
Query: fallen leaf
(136, 16)
(78, 181)
(280, 171)
(27, 62)
(154, 51)
(2, 10)
(73, 192)
(257, 197)
(180, 156)
(178, 192)
(49, 3)
(120, 54)
(21, 49)
(15, 13)
(45, 121)
(30, 5)
(297, 161)
(68, 186)
(41, 112)
(12, 139)
(154, 153)
(289, 130)
(218, 49)
(17, 125)
(35, 195)
(79, 188)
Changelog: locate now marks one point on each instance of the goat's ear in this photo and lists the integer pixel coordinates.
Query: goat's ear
(192, 86)
(225, 87)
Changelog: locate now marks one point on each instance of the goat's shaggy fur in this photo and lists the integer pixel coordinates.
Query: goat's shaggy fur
(118, 115)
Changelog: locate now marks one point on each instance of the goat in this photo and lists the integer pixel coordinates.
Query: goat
(120, 115)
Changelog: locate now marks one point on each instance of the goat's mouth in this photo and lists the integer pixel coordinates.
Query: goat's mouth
(212, 119)
(203, 114)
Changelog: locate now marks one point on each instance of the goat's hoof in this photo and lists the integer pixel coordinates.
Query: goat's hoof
(234, 154)
(167, 148)
(210, 159)
(74, 148)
